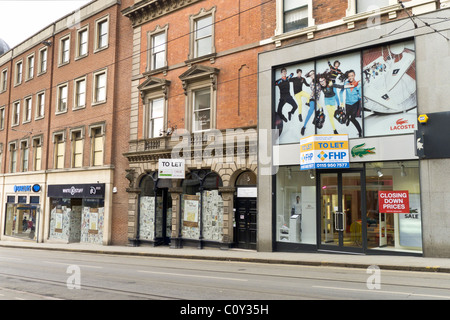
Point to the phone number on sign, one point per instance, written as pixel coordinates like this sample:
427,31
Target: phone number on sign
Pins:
332,165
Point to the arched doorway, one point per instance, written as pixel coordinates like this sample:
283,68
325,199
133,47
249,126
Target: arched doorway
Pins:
245,206
155,210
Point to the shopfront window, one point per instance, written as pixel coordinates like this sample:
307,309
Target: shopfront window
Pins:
394,231
21,218
295,206
202,206
150,211
77,219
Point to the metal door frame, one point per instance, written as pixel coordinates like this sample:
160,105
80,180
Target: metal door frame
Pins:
340,247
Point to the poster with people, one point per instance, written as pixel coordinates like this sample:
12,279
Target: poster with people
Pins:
368,93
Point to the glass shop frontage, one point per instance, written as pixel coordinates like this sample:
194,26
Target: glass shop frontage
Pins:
342,210
23,208
362,106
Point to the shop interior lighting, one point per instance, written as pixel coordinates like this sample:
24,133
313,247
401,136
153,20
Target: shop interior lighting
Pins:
380,174
403,171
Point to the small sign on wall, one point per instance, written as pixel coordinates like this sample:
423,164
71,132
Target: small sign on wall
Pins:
171,169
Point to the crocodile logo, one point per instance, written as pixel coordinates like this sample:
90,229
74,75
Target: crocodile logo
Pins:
358,150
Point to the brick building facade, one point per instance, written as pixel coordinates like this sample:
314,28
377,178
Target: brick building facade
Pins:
62,106
197,62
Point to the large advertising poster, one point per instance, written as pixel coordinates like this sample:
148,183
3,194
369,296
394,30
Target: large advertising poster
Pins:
390,101
368,93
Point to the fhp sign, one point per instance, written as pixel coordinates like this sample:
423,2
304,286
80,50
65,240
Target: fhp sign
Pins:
324,152
171,169
393,201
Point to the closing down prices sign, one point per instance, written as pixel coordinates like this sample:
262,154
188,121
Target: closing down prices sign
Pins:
393,201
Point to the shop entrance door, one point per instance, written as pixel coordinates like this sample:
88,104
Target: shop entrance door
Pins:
245,218
341,204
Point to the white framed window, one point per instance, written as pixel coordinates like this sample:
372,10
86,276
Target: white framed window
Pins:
97,136
24,151
77,138
19,72
16,114
30,67
157,49
4,80
61,105
42,68
155,117
79,93
202,35
295,14
64,50
59,147
37,153
82,42
13,157
201,110
367,5
99,90
40,105
200,83
101,33
27,107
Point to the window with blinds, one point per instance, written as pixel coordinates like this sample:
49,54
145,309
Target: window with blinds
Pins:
77,149
295,14
97,147
59,151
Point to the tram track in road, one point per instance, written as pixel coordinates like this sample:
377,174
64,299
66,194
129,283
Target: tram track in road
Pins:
133,277
129,294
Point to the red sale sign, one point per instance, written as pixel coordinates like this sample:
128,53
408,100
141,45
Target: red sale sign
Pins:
393,201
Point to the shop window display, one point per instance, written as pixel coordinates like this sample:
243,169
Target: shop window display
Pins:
21,220
296,206
393,231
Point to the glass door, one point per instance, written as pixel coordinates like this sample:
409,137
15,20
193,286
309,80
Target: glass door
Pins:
340,211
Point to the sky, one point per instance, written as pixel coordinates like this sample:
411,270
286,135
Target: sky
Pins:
21,19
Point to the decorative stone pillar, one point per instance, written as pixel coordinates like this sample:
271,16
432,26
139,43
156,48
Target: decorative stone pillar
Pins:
133,215
176,241
228,215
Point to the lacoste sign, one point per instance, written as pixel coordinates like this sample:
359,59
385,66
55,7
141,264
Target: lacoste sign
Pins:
360,151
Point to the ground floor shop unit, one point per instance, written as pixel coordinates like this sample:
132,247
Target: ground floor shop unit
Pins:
63,207
198,211
338,210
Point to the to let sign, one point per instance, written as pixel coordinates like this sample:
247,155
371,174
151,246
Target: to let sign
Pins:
324,152
393,201
171,169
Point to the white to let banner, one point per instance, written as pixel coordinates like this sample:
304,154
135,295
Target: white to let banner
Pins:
171,169
324,152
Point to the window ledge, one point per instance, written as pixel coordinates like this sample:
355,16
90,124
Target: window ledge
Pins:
156,71
309,31
211,57
390,10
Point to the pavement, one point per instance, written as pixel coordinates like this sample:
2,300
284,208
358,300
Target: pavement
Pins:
384,262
